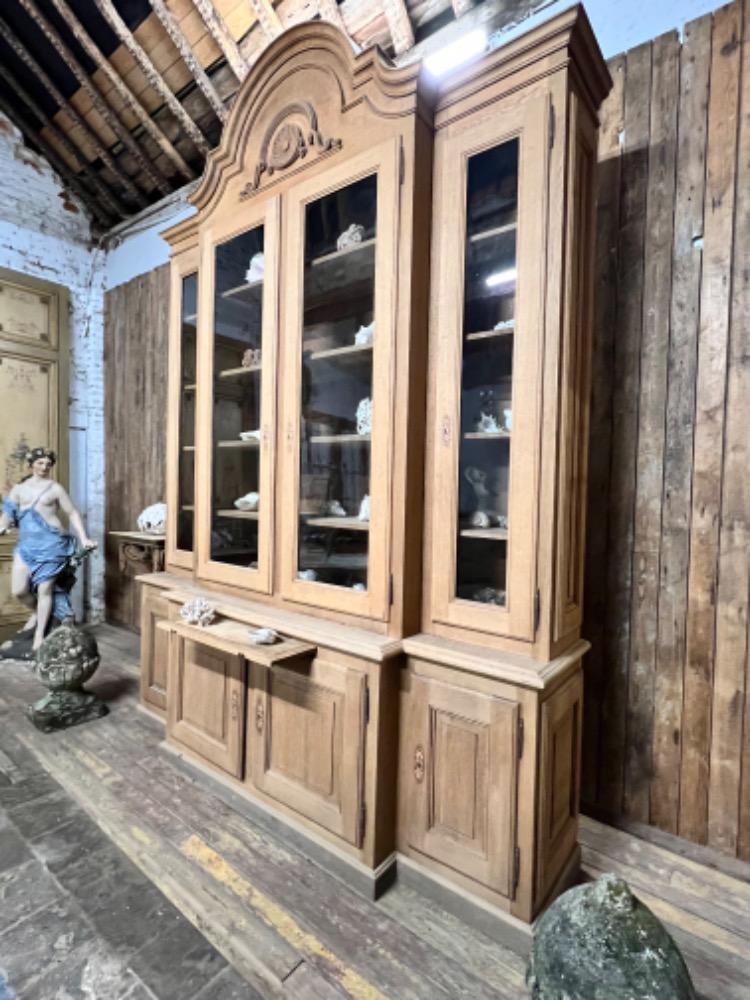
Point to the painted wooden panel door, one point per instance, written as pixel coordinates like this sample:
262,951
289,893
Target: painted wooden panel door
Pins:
486,344
154,649
206,702
339,322
462,800
306,742
34,394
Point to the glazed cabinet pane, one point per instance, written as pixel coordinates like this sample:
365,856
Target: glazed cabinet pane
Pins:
486,341
186,418
337,408
235,461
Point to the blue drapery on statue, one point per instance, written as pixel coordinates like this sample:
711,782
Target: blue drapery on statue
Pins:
47,551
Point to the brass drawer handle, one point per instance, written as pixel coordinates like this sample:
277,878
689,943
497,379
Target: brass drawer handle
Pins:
260,715
419,764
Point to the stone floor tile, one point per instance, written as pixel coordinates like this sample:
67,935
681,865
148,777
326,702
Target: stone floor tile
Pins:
25,889
178,963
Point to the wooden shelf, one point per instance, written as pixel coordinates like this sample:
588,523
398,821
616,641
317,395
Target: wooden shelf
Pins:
487,234
486,435
188,447
191,318
486,334
242,515
253,443
344,274
337,255
342,523
491,534
188,506
340,439
350,352
249,292
190,388
236,372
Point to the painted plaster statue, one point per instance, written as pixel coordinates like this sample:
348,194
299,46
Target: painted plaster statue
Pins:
43,559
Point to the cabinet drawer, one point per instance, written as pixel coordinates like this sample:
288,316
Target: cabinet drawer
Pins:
305,744
154,649
207,702
459,769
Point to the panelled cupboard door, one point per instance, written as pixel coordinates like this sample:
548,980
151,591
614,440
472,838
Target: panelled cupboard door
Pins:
486,344
182,403
462,777
238,308
339,327
154,649
306,739
206,702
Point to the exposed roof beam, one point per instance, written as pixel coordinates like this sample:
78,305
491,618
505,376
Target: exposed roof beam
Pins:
461,6
105,196
93,50
67,175
188,56
329,11
269,20
222,36
399,24
107,9
66,106
51,34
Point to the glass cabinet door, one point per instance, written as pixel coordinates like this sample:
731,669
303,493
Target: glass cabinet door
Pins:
337,407
186,419
488,358
236,446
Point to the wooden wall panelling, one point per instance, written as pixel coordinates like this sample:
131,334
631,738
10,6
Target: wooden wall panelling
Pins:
629,291
729,787
135,404
679,418
651,406
600,427
709,422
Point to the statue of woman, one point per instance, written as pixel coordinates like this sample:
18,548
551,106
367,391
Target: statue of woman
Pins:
41,574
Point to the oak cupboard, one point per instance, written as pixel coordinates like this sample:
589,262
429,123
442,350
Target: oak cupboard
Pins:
379,371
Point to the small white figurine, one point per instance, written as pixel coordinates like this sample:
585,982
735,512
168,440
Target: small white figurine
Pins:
334,509
198,612
256,270
359,587
250,435
502,520
480,519
250,501
364,416
354,234
153,520
307,574
364,508
364,336
486,424
507,419
263,636
504,324
251,357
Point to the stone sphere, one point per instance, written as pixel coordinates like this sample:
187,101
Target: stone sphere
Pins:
67,658
599,942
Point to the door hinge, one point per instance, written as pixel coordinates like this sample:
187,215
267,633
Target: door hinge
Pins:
401,165
367,705
519,739
516,868
362,822
390,590
551,125
537,610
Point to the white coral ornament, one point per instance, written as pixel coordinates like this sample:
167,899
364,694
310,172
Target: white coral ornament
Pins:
364,416
364,508
153,520
264,636
198,612
354,234
364,336
250,501
256,270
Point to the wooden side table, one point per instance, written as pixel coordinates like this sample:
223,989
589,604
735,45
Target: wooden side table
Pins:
140,550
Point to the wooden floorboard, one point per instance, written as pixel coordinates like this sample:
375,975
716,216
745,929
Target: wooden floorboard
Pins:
286,926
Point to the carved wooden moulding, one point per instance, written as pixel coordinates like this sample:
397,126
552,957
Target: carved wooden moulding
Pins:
290,136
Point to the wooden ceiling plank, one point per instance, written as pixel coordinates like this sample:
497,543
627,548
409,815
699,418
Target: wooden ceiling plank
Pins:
399,23
114,207
181,43
268,19
107,9
66,106
329,11
51,34
67,175
217,27
93,50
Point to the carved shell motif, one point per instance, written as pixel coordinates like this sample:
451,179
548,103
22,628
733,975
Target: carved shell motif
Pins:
289,137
